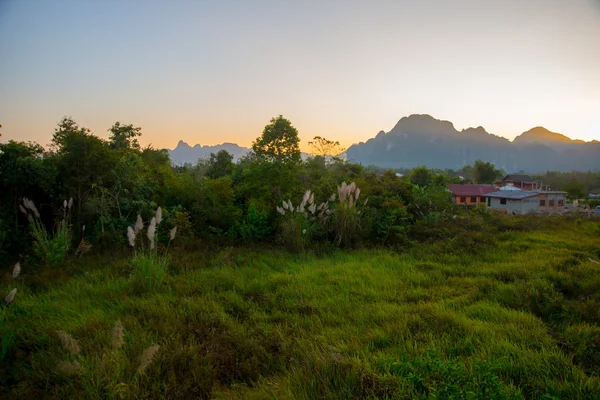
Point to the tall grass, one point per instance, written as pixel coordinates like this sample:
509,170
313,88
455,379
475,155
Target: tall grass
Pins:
149,265
48,247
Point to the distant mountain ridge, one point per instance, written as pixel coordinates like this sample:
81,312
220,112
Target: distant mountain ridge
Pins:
184,153
420,139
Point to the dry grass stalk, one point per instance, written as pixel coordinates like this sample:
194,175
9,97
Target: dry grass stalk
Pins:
16,270
70,202
147,357
11,296
172,233
69,343
118,335
70,368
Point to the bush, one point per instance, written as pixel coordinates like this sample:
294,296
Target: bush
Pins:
51,249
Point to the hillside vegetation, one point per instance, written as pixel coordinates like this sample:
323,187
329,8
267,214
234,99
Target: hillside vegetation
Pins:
514,316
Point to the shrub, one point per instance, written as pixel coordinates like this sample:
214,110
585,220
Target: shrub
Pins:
345,218
52,249
149,268
255,225
298,225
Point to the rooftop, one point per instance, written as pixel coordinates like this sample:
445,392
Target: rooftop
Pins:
470,190
514,195
517,178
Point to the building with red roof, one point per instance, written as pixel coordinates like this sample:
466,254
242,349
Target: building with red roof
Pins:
470,194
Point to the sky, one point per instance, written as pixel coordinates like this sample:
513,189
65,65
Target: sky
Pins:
210,72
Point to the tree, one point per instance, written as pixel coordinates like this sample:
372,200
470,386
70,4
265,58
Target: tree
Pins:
574,189
421,176
279,142
485,172
323,147
124,137
220,164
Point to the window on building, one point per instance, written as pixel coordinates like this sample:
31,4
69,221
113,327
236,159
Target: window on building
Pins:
551,203
473,199
542,203
463,199
489,202
561,203
482,199
502,201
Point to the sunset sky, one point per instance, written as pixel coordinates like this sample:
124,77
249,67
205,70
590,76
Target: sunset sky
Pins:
210,72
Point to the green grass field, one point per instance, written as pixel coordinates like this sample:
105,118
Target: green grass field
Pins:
516,318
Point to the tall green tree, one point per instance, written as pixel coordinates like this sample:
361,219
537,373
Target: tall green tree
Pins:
124,137
220,164
421,176
485,172
575,189
324,147
278,142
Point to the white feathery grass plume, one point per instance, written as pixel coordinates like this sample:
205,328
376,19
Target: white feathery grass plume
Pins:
131,236
70,368
158,215
16,270
306,196
284,205
366,201
68,342
311,199
29,204
70,202
139,224
290,205
352,187
172,233
118,335
280,210
151,232
83,228
357,193
30,218
328,212
312,208
304,231
332,198
8,299
350,201
23,210
65,204
147,357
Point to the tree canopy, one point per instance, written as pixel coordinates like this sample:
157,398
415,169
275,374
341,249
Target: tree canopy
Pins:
278,142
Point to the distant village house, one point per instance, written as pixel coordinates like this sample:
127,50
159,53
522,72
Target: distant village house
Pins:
470,194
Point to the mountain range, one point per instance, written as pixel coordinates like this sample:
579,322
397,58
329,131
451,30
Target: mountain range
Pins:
423,140
420,139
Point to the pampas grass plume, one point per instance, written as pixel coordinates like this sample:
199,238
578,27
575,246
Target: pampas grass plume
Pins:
139,224
131,236
172,233
151,231
70,202
68,342
118,335
10,296
147,357
158,215
16,270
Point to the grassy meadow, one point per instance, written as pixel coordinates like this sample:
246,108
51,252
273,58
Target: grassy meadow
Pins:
514,316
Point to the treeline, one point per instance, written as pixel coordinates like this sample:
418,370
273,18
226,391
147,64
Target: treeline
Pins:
270,196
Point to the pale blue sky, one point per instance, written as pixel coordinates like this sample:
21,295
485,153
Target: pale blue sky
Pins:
209,72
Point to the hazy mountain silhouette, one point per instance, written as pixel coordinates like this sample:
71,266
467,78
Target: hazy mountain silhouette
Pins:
184,153
423,140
